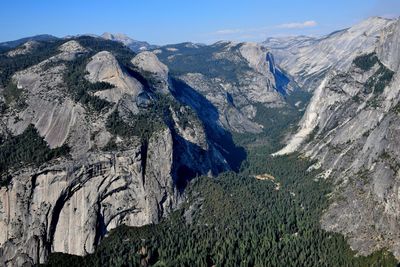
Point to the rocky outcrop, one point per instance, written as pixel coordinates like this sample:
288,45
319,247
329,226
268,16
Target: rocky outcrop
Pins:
156,73
24,49
104,67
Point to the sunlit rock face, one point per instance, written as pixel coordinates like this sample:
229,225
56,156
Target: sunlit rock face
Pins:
309,59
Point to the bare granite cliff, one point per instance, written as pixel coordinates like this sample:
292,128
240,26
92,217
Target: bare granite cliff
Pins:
69,206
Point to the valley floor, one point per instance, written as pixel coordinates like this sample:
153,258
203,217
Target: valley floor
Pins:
237,220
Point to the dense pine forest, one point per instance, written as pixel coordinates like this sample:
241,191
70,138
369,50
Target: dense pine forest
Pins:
26,149
267,214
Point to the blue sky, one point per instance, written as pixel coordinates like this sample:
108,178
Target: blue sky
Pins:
172,21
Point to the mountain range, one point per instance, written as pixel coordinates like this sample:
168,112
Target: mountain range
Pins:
97,132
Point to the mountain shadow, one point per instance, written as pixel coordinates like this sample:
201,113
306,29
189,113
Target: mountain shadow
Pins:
209,115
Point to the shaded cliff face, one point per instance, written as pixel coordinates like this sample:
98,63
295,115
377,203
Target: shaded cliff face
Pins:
351,128
232,77
130,146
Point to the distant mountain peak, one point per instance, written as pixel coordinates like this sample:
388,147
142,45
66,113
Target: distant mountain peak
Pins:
134,45
310,59
121,37
40,37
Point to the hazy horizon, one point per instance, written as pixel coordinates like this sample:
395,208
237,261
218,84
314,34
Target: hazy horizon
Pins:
160,22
